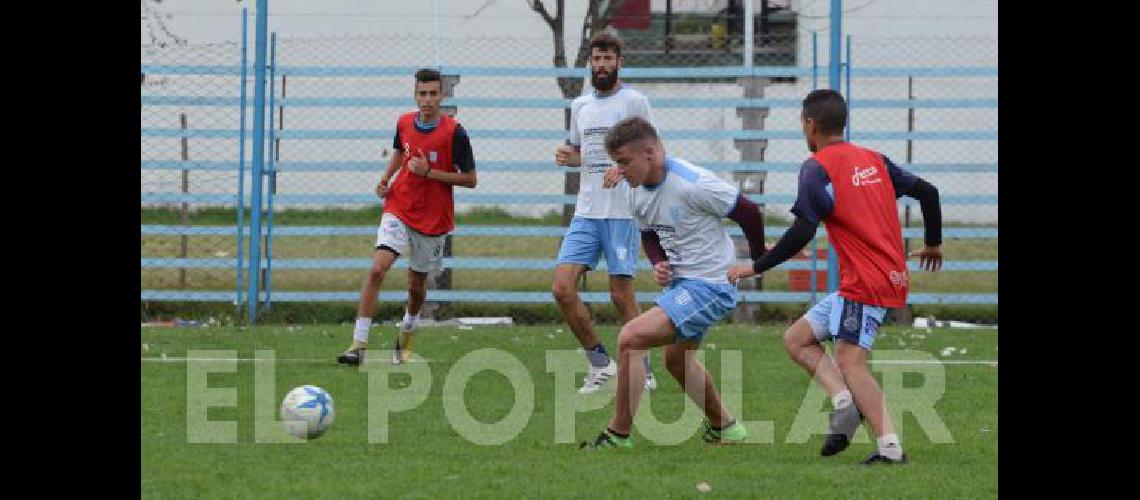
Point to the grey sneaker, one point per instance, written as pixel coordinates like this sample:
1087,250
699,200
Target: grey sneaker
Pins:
841,427
350,357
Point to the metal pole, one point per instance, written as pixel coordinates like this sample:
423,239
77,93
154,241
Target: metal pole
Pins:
271,173
909,149
241,158
847,73
435,32
833,75
814,61
261,25
184,216
815,240
749,33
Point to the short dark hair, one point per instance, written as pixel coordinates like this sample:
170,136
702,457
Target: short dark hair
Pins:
428,75
632,129
828,109
606,41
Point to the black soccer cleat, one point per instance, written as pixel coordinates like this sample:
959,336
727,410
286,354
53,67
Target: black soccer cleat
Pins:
606,440
841,427
350,357
877,458
834,443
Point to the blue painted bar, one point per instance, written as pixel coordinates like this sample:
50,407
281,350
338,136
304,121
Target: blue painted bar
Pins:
510,263
542,297
815,241
484,102
261,27
542,166
272,176
833,67
546,72
552,134
533,231
241,162
497,199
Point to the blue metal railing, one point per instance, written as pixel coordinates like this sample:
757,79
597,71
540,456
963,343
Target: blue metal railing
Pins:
263,168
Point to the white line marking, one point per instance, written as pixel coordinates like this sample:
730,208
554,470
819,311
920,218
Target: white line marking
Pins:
154,359
932,362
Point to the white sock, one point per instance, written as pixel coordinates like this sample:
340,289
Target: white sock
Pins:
841,399
890,447
360,334
410,322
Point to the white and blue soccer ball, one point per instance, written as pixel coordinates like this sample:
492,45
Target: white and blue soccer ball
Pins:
307,411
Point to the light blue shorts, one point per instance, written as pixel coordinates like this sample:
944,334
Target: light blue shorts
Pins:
835,317
694,305
586,240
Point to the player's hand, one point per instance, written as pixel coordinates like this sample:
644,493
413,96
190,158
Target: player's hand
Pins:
929,258
419,164
739,272
567,156
613,177
662,273
382,187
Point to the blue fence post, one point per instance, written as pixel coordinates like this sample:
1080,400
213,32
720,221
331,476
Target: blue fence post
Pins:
258,164
814,85
241,159
272,174
847,74
834,57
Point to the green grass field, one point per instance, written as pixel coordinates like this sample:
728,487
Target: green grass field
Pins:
426,457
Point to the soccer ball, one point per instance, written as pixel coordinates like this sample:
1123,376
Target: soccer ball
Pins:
307,411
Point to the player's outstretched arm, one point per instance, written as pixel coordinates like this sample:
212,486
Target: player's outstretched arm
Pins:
930,257
908,184
794,239
747,215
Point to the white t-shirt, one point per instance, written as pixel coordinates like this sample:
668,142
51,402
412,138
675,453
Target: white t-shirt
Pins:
591,116
686,210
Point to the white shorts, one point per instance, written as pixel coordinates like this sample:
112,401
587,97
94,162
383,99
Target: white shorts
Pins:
425,253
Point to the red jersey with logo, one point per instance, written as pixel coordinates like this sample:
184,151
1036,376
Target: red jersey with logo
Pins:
853,191
425,205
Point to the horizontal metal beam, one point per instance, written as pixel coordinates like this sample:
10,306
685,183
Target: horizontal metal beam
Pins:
534,297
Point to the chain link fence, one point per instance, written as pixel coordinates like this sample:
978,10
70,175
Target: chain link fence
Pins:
334,107
190,122
931,102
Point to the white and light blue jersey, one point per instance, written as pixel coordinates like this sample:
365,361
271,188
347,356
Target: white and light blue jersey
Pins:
685,210
591,116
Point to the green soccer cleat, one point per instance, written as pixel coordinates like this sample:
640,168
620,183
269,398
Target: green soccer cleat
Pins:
606,440
735,433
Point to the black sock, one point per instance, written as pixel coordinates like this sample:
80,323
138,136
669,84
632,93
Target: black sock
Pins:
723,427
616,433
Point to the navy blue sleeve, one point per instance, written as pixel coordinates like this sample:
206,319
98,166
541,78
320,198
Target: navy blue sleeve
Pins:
903,180
396,140
814,199
652,245
461,154
908,184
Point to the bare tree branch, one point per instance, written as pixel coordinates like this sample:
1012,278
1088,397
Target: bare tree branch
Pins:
478,11
540,8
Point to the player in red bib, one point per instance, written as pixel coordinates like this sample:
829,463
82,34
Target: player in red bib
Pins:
432,154
852,190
